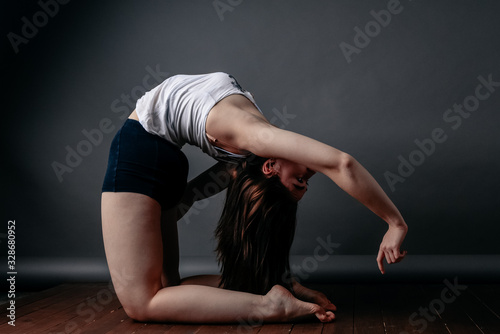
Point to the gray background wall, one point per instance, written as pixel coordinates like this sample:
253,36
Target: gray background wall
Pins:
84,64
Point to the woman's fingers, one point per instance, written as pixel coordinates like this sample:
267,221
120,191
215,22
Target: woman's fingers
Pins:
393,256
390,246
330,307
380,261
313,296
324,316
389,257
401,256
288,308
323,301
326,304
320,312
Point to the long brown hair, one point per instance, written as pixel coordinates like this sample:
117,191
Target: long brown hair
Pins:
255,231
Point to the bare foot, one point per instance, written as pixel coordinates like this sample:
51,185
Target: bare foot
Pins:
313,296
282,306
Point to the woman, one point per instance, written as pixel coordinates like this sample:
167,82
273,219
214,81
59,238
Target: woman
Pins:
145,184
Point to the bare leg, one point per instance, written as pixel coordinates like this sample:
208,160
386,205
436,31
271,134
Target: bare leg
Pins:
134,249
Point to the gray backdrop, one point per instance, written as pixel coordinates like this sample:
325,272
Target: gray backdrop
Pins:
381,80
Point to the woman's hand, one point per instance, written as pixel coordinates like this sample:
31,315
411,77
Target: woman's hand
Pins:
390,246
313,296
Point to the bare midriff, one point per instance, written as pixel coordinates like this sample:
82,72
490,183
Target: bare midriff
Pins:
133,115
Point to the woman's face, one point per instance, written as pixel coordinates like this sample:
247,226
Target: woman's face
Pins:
292,175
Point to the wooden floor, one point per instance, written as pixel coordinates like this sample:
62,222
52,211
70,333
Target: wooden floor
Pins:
384,309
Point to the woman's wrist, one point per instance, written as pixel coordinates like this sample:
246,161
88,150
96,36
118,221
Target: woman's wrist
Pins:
397,222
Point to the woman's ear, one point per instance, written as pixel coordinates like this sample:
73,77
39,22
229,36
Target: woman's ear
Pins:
268,167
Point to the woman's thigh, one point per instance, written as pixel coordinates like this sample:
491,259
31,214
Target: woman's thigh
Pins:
131,226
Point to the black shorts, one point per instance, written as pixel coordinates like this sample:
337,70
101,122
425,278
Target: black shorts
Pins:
143,163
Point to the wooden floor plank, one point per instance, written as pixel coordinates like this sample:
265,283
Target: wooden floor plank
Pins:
486,320
119,322
35,296
361,309
50,311
94,314
442,304
275,329
126,325
309,328
342,296
400,304
225,329
106,323
31,303
184,329
153,328
489,295
367,310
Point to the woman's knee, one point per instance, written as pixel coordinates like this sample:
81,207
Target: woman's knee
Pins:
136,300
138,309
137,313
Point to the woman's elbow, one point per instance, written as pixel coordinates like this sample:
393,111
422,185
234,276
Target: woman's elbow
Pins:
341,163
347,161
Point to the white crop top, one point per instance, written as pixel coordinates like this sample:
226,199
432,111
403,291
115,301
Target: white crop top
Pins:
177,109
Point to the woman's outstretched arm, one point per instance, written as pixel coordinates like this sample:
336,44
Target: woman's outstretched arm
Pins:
266,140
